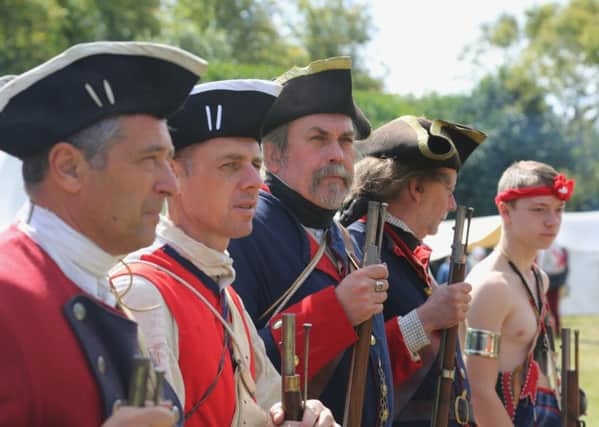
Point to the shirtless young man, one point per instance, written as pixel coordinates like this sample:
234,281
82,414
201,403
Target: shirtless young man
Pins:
508,302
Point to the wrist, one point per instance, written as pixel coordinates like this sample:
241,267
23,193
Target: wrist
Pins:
425,319
412,330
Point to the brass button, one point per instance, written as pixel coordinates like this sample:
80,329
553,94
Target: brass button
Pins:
385,415
277,324
384,389
372,340
296,360
79,311
101,363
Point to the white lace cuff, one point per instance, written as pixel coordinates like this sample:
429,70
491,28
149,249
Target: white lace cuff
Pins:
413,333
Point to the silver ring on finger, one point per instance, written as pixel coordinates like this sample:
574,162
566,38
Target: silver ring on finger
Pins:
379,286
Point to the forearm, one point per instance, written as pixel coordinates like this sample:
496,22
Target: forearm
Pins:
403,347
488,409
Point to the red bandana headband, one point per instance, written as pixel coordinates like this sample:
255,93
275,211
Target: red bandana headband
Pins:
562,189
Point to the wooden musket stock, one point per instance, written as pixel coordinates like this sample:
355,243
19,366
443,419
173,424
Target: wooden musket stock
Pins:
447,349
354,400
570,390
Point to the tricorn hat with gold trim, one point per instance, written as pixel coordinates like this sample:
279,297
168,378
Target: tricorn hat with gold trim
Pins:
422,142
324,86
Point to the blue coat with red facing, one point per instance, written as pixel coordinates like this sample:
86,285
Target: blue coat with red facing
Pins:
409,287
267,262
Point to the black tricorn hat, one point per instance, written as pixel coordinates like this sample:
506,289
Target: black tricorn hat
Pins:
323,86
226,108
422,142
90,82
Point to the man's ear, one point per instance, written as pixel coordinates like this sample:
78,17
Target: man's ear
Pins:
504,211
415,189
273,157
67,166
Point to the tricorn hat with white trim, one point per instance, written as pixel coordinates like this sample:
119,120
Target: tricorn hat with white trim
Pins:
422,142
323,86
90,82
226,108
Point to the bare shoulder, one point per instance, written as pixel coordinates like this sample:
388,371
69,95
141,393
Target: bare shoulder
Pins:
491,295
488,276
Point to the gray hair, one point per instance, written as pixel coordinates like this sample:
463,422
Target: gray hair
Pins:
94,141
279,138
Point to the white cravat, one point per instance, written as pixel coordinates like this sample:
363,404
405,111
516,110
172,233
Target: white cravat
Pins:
216,264
80,259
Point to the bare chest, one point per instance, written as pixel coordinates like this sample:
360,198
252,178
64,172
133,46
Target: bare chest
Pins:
521,324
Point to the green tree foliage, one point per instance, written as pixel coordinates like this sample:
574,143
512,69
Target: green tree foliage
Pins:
237,31
542,103
25,24
337,27
518,126
32,31
557,48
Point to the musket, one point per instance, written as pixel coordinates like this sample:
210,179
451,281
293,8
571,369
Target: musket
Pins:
570,399
447,347
139,392
291,397
139,380
354,399
552,370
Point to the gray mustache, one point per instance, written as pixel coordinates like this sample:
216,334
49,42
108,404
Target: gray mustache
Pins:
332,170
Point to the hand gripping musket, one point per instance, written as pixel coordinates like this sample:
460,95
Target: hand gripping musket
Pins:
570,399
354,399
447,348
291,397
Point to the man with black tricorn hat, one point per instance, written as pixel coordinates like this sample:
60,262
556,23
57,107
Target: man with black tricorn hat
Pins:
412,164
89,126
195,324
296,259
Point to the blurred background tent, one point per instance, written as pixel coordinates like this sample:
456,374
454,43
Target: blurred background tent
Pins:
579,234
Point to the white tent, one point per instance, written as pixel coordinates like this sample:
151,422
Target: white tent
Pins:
579,233
12,192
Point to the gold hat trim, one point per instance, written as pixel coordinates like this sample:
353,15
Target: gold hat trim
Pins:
475,135
422,136
318,66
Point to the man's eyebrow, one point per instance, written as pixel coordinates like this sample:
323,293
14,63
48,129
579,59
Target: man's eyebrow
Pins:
349,132
545,204
237,156
158,148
